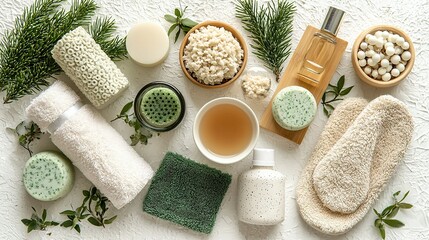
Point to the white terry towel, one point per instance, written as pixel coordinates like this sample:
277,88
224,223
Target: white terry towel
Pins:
94,147
355,157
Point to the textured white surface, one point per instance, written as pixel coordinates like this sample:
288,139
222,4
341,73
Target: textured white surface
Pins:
132,223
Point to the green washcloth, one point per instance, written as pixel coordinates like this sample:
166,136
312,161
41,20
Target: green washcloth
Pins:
187,193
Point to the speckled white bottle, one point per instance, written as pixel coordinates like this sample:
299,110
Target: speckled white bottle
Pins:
261,191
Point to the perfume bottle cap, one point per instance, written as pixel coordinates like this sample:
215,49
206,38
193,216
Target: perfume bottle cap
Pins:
263,157
333,20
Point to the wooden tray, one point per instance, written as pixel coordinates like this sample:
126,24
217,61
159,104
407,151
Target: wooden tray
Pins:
290,78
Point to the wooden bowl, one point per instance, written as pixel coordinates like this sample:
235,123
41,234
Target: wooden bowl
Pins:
380,83
234,32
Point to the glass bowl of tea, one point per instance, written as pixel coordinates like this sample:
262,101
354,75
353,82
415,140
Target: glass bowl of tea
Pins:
225,130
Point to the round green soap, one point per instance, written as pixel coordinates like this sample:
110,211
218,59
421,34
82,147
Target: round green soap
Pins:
160,107
294,108
48,176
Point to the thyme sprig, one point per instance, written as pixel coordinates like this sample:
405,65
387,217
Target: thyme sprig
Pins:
179,21
270,28
141,134
335,92
386,216
27,132
38,223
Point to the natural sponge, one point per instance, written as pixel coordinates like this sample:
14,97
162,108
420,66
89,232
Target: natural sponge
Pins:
186,193
83,60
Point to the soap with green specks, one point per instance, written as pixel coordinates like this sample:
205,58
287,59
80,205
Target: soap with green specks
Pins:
48,176
294,108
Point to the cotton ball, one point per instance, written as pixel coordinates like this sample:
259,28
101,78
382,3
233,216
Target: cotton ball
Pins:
367,70
390,51
374,73
406,56
400,41
382,71
395,72
405,46
363,45
384,63
376,58
361,55
400,67
369,53
362,62
395,59
372,40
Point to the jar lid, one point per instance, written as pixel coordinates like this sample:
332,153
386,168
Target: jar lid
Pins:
263,157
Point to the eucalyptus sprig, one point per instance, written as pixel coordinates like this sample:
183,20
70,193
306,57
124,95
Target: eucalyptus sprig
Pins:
38,223
270,28
93,208
141,134
27,133
385,217
180,22
335,92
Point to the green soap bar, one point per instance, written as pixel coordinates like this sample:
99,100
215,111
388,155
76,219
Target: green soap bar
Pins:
48,176
160,107
294,108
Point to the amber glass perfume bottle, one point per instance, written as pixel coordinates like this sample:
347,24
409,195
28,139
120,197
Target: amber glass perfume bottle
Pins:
321,49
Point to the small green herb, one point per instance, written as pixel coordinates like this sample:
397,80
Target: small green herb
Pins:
178,20
27,133
93,208
141,134
36,222
336,91
385,217
270,28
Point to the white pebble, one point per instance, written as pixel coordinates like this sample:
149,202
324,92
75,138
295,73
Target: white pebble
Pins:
370,62
374,73
389,68
378,34
362,62
379,43
394,38
361,54
395,59
405,45
398,50
367,37
363,45
367,70
370,47
372,40
382,71
385,34
388,44
389,38
400,67
390,51
386,77
405,56
400,41
384,63
382,56
395,72
376,58
369,53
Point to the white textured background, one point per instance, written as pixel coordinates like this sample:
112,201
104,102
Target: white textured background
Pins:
132,223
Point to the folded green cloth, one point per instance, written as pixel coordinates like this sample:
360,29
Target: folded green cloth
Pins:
187,193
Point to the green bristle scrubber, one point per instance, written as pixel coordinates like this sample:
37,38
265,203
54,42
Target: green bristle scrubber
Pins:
187,193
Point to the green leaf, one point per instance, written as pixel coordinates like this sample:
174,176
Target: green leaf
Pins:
44,215
325,111
376,213
77,228
393,223
406,194
177,36
126,108
32,226
171,29
68,212
323,97
94,222
52,223
393,212
86,192
67,223
93,190
346,91
26,222
177,12
110,220
405,205
382,232
188,22
170,19
396,193
340,83
377,223
387,210
329,106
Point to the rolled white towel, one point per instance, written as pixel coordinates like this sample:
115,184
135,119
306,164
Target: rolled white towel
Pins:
94,147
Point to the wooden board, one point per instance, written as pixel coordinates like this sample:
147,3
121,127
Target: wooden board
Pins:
290,78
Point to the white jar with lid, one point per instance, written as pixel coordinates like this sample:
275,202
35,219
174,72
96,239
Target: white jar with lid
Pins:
261,191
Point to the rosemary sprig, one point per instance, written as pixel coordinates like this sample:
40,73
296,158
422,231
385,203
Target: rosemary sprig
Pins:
385,217
26,62
270,28
141,134
37,223
178,20
336,91
27,133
